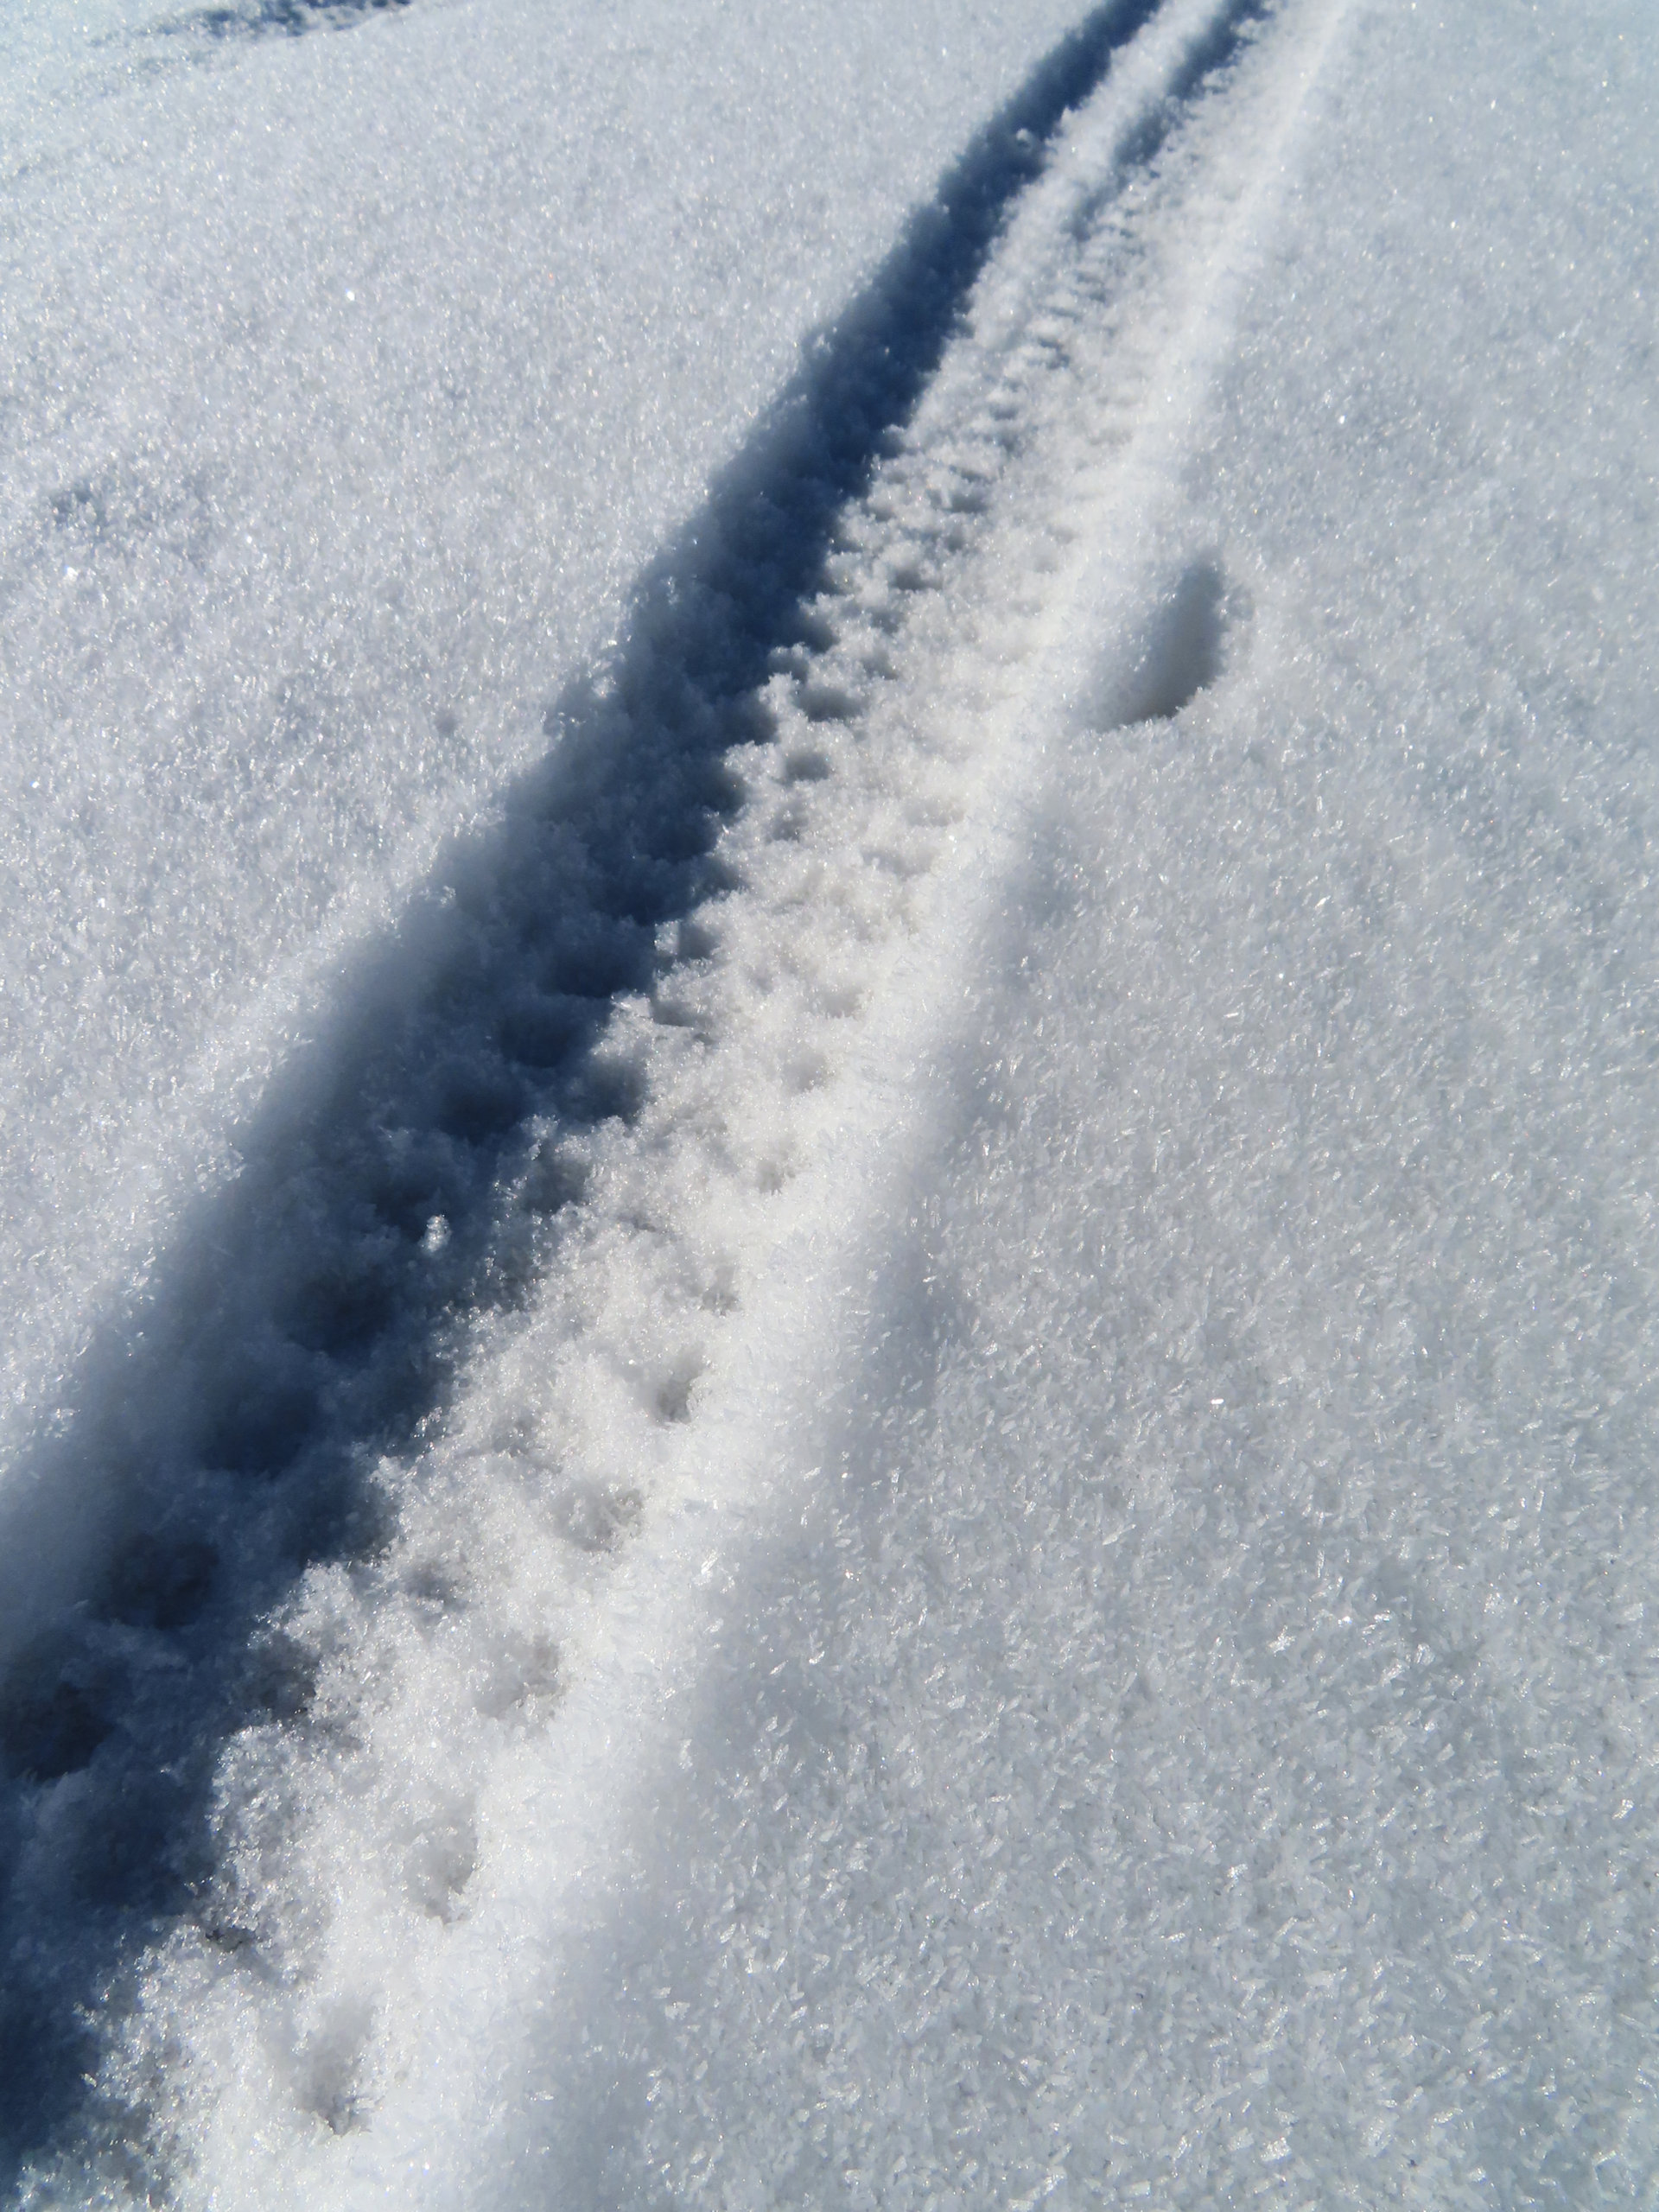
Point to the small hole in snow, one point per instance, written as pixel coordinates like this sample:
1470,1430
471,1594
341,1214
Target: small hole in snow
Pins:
610,1088
478,1104
828,702
595,1517
442,1861
282,1675
805,767
523,1682
51,1711
674,1394
329,2064
1182,655
696,940
557,1178
808,1072
161,1586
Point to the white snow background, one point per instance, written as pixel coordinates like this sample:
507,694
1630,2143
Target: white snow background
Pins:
828,1148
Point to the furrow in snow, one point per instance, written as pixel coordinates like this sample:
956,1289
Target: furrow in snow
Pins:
511,1345
415,1168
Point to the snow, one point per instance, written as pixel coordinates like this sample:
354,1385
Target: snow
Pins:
865,1418
351,380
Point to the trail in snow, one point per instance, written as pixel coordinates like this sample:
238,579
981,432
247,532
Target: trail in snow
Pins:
352,381
428,1165
1198,1750
1200,1753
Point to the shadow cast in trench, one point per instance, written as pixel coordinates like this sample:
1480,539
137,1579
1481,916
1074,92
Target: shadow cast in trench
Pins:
409,1168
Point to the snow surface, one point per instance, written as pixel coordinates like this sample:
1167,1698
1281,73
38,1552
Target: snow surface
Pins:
891,1450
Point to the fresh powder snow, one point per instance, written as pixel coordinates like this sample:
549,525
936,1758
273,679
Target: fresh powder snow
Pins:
827,1154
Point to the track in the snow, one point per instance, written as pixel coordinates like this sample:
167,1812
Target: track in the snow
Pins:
282,18
305,1322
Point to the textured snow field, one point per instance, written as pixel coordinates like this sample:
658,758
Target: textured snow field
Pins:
893,1449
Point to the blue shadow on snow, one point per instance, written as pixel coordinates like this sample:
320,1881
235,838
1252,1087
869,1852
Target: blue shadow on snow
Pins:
304,1322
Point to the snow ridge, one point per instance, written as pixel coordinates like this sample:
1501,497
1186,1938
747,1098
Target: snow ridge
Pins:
488,1115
